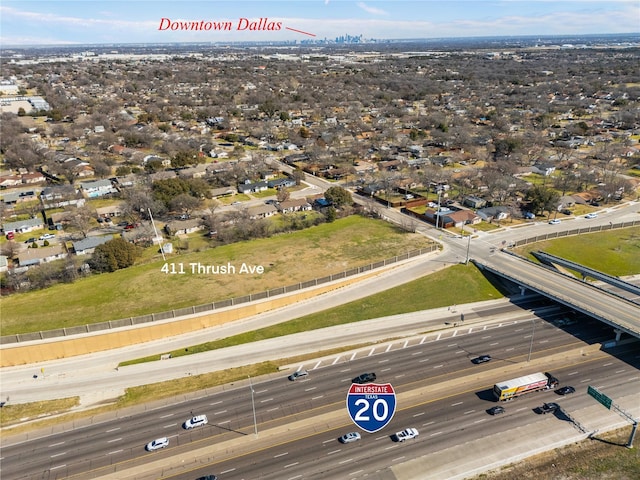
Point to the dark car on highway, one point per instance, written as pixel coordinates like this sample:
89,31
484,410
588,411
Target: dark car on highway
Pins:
365,378
481,359
547,408
497,410
565,390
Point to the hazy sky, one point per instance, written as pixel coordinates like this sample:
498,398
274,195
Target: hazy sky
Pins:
25,22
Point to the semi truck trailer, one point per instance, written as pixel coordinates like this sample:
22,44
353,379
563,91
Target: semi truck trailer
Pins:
534,382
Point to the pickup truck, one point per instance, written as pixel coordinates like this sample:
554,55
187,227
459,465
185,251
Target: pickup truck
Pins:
548,408
406,434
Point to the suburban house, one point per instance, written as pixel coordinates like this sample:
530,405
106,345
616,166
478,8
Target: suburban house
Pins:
474,202
249,187
86,246
461,218
262,211
97,188
489,214
110,211
543,169
60,196
183,227
23,226
294,205
281,182
222,191
35,256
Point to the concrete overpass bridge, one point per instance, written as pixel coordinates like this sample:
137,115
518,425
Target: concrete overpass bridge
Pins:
613,309
553,260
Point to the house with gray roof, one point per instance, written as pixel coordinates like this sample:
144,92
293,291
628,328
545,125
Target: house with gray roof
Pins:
22,226
87,246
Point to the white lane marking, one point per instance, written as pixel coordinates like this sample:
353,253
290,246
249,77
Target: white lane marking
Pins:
58,455
281,455
118,428
167,415
58,466
56,444
292,464
337,359
170,425
228,471
220,412
309,389
266,400
455,404
114,452
114,440
216,403
332,452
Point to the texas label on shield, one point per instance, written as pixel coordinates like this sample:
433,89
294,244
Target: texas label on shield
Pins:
371,406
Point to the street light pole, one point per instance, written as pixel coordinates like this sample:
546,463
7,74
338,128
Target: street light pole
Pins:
438,212
466,262
253,407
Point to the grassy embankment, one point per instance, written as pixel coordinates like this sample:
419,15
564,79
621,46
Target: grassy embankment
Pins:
144,289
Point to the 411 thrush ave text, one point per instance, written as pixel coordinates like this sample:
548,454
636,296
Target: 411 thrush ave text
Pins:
197,268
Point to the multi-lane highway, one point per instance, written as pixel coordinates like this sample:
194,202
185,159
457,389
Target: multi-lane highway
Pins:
408,364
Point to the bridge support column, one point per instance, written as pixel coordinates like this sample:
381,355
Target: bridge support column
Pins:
523,290
618,334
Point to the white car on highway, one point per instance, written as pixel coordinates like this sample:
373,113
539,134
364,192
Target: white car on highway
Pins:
406,434
157,444
350,437
197,421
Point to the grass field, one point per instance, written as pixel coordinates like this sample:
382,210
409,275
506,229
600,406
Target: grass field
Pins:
287,259
466,281
614,252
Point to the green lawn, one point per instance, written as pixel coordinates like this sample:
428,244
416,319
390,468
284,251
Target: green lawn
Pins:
458,284
614,252
287,259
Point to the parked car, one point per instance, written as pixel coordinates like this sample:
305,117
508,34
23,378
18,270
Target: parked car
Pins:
157,444
365,378
547,408
31,240
350,437
47,236
497,410
406,434
565,390
529,215
197,421
555,221
208,477
565,211
481,359
299,374
591,215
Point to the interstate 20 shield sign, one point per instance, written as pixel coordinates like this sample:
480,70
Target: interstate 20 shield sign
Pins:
371,406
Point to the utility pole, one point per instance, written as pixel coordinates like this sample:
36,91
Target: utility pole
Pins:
253,407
